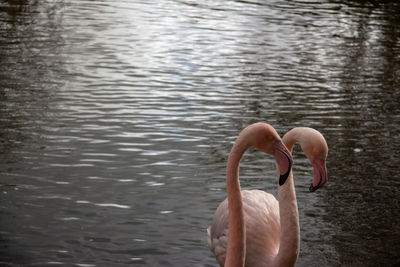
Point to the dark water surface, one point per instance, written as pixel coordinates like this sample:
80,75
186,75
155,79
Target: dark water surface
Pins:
116,119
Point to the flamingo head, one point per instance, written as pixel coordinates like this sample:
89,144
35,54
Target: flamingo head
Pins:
267,140
315,147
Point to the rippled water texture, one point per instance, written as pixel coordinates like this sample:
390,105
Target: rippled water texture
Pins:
117,118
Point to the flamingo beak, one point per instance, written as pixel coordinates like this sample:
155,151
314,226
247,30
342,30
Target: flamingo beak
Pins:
320,174
283,159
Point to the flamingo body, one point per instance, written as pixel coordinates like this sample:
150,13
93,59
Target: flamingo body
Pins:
261,211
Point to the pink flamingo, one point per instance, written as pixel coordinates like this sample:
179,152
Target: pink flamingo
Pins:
262,230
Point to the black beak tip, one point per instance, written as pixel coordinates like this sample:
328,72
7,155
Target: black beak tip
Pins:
313,189
283,177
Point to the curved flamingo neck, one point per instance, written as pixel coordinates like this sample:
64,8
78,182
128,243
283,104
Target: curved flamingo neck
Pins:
236,250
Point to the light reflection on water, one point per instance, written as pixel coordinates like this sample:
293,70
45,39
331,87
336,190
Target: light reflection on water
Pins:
117,119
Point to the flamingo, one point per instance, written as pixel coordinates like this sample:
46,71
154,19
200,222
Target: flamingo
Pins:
263,231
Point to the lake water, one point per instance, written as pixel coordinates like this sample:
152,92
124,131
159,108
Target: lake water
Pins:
117,117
